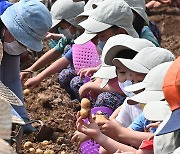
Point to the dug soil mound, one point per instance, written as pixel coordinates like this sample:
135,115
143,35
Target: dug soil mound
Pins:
51,104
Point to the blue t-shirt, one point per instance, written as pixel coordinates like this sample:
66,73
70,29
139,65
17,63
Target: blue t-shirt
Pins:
68,55
140,123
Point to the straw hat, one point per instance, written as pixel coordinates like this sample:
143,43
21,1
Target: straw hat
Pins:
5,148
9,96
5,119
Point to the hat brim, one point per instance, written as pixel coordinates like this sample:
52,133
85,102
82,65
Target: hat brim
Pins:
172,124
106,72
9,96
135,87
113,51
83,16
55,22
17,120
156,110
84,38
145,97
18,32
131,64
94,26
5,4
104,83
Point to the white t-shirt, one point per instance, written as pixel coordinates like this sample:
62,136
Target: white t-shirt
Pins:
128,113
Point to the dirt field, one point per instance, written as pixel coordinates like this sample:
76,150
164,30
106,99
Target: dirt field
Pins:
51,104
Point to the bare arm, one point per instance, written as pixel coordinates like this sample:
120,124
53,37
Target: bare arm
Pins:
56,67
115,113
113,129
44,60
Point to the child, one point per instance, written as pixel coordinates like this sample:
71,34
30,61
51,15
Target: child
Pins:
167,137
16,38
63,19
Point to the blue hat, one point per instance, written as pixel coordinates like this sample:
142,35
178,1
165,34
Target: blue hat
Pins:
28,21
4,4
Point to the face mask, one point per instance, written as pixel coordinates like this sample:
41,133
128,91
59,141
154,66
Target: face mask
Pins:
100,46
13,48
122,85
66,32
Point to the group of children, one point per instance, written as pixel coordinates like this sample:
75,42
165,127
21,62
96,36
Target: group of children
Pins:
131,86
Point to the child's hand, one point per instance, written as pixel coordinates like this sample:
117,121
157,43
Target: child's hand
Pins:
84,90
24,74
32,82
91,129
49,36
110,128
86,72
154,125
79,138
53,36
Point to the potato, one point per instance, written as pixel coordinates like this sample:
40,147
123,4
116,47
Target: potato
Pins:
100,118
84,113
26,91
28,145
32,150
85,103
49,152
39,151
45,142
85,108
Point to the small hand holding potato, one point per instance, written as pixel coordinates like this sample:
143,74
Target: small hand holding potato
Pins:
85,108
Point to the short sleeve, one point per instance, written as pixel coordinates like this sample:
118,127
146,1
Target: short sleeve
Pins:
68,55
138,123
147,144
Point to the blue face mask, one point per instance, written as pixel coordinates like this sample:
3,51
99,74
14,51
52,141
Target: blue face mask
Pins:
100,46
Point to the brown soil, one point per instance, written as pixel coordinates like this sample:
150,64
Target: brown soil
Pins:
51,104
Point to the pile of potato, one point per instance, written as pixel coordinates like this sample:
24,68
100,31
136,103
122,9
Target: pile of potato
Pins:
29,147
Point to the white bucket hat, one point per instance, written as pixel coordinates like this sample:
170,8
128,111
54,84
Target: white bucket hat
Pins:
153,85
67,10
146,59
107,14
156,110
28,21
139,7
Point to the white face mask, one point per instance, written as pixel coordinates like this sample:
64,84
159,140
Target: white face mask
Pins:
100,46
125,84
66,32
13,48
